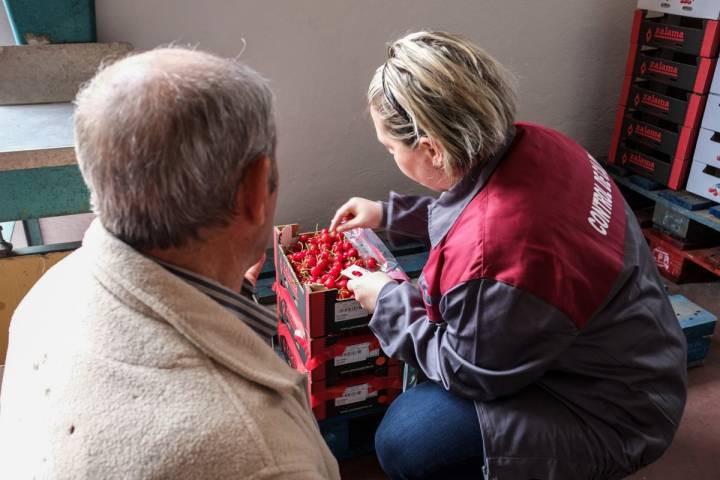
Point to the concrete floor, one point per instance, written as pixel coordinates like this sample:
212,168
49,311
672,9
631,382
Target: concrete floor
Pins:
695,452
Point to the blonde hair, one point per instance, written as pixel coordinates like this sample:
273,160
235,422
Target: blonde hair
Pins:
441,86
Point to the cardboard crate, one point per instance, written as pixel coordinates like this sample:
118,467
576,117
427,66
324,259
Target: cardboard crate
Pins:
711,117
707,148
704,181
689,35
658,166
666,137
351,394
663,101
715,84
320,310
355,394
332,358
709,9
680,70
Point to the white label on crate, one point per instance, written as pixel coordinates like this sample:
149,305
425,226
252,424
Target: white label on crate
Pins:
348,310
354,353
355,394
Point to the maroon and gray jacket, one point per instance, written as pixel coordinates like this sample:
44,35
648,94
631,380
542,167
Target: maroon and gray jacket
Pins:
541,301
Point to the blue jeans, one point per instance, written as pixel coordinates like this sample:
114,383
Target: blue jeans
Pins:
428,433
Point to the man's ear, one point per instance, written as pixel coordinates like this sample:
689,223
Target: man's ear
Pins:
252,199
432,150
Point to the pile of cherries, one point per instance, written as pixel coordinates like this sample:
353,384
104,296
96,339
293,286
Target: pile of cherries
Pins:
320,257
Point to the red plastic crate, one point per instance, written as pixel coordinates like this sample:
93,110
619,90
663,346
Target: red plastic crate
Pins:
321,312
668,258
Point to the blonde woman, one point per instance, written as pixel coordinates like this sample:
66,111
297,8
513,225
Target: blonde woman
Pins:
540,320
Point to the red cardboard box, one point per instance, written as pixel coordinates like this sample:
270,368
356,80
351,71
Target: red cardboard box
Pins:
663,136
695,36
355,394
352,394
651,148
321,312
663,101
709,9
652,164
334,357
678,69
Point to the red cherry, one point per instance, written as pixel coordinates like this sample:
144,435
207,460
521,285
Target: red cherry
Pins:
310,261
359,262
303,238
342,283
352,252
329,283
372,263
316,271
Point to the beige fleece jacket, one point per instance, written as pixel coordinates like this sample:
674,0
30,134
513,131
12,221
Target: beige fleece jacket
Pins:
118,369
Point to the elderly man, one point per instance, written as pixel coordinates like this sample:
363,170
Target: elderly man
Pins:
135,357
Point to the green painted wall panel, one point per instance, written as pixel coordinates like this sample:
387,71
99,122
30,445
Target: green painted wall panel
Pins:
42,192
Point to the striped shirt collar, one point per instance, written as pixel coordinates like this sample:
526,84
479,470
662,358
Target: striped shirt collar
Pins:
260,319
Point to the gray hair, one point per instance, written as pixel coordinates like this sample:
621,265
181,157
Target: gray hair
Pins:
441,86
164,138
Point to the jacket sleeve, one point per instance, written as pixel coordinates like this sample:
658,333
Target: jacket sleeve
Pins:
494,339
406,218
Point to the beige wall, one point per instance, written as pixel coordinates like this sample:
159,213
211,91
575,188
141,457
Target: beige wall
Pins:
568,55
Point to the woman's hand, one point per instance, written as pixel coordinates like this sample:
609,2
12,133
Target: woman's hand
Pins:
367,288
357,213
